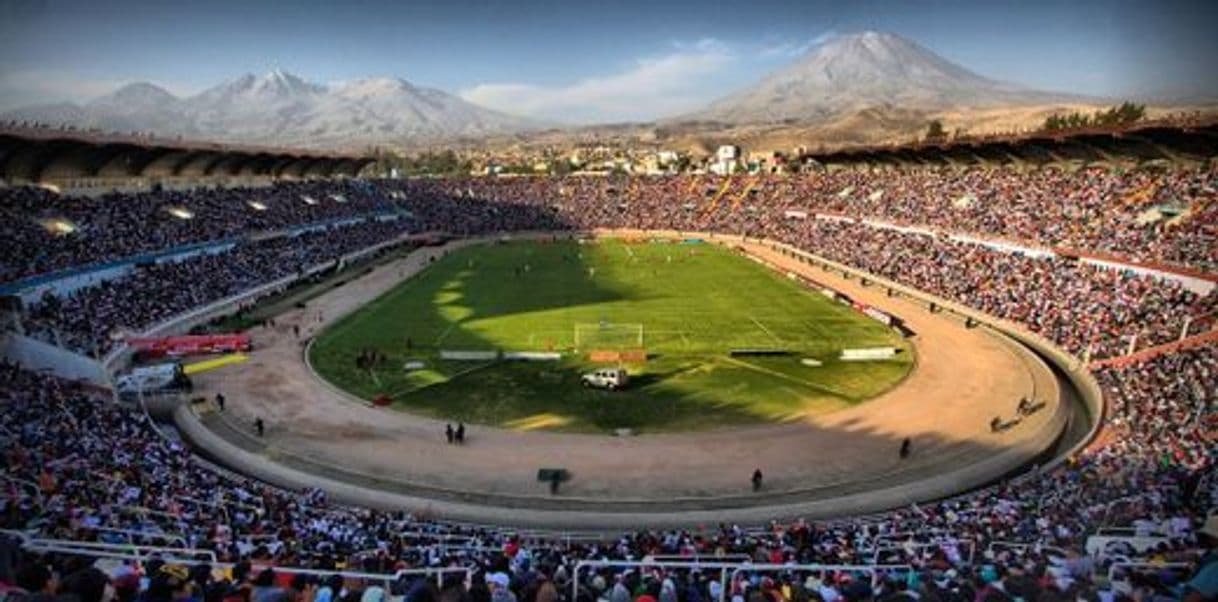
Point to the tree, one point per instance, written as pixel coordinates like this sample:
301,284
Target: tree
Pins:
935,131
1123,114
560,167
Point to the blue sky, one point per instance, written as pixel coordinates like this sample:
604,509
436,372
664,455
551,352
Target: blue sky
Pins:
588,61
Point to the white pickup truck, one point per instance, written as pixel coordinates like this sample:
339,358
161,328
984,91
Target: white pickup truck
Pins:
606,378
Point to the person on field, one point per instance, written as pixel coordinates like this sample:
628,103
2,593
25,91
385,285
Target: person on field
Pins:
460,433
757,478
448,433
259,426
220,401
905,448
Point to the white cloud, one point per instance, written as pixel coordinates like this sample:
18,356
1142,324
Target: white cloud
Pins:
784,50
656,86
825,36
789,49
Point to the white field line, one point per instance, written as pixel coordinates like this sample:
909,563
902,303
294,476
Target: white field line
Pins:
444,335
767,330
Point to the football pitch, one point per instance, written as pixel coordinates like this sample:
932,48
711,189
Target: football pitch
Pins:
687,304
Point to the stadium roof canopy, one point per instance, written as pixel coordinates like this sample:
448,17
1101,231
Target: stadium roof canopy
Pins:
45,154
1146,141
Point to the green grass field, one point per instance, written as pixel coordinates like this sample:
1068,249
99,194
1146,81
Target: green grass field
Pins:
694,302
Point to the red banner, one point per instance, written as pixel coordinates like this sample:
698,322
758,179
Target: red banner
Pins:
190,344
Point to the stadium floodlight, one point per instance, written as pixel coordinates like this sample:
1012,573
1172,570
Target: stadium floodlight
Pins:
180,212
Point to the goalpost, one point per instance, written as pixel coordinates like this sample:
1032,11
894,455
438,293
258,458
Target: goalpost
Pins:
608,335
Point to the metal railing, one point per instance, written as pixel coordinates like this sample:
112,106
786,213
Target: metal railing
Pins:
722,567
697,556
140,553
940,544
117,551
998,545
131,534
874,570
1112,569
736,568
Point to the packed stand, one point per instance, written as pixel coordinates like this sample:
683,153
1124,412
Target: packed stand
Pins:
89,319
1158,214
1090,310
1161,214
1084,308
121,225
80,467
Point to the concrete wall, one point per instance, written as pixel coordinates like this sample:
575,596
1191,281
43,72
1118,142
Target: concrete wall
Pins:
40,356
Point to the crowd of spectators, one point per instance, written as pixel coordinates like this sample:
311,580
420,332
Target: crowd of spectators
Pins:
79,467
1164,214
1088,309
90,319
1082,307
1126,213
120,225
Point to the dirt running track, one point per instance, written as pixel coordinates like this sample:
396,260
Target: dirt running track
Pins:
963,377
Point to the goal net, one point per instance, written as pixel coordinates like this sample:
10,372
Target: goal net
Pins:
608,335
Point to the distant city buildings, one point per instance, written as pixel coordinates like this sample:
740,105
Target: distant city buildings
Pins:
606,159
726,160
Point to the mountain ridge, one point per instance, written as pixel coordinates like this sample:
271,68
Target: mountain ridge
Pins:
859,71
880,83
282,108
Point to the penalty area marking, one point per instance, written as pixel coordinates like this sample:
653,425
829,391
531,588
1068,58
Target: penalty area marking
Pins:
788,377
446,378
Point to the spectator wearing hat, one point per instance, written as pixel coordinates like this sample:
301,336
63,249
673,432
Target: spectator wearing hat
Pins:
500,586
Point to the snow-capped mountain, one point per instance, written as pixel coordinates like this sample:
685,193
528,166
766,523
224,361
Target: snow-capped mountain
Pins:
860,71
280,108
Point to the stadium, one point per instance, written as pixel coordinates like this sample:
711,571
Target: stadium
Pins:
982,367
